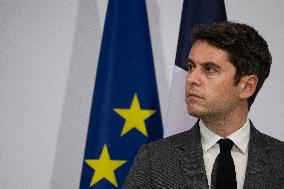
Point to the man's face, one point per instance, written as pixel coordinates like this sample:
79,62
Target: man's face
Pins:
210,89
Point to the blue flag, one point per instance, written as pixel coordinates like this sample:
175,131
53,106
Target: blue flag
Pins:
125,110
194,12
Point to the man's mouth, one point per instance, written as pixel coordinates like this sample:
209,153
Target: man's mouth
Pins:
193,95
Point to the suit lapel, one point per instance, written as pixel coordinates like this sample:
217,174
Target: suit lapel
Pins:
257,170
191,159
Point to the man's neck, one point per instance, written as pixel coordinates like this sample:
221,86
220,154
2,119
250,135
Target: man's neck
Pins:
225,125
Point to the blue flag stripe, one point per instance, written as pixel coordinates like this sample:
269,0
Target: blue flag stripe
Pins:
196,12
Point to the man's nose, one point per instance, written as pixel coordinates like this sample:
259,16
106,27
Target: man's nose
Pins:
193,77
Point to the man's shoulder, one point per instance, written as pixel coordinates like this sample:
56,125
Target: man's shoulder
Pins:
270,143
273,155
159,164
171,140
185,138
274,143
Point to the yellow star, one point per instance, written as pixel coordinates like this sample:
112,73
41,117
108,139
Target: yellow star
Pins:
134,117
104,167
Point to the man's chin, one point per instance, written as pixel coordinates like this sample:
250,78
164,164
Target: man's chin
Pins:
195,114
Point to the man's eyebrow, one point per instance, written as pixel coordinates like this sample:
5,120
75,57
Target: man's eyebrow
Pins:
190,60
213,64
210,63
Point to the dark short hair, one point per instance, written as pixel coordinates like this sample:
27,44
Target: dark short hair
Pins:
246,49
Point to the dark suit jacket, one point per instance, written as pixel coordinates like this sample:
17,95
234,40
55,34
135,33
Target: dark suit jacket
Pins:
177,162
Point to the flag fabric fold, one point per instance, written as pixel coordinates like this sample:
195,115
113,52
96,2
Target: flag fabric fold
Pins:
194,12
125,109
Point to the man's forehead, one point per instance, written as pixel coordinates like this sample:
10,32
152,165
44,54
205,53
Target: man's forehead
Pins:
202,52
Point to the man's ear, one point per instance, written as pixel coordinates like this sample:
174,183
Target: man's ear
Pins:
247,86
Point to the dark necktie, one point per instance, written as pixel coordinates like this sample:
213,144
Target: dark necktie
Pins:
225,173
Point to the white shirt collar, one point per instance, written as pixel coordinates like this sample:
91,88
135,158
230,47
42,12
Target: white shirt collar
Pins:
240,137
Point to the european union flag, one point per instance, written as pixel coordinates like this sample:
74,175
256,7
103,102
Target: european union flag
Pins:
125,110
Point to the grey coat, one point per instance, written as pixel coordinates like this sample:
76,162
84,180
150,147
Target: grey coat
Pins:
177,162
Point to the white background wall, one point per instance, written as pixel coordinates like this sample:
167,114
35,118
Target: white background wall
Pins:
48,56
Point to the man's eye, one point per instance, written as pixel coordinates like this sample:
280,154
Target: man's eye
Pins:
210,69
189,67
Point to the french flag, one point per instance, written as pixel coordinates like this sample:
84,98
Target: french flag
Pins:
194,12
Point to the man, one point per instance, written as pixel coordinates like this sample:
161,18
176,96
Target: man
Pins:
227,66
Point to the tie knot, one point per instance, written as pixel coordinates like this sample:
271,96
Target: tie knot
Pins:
225,144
